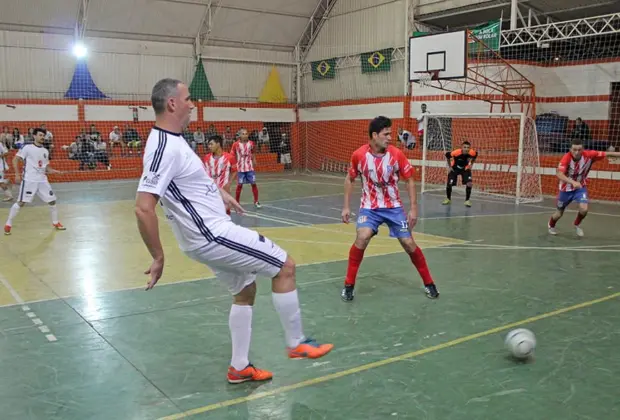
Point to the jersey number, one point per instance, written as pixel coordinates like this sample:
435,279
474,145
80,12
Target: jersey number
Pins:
405,224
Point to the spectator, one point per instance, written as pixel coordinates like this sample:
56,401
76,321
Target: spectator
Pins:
86,153
6,137
132,139
285,152
94,134
29,139
581,131
189,138
199,140
211,131
101,153
263,139
406,138
18,139
48,140
229,137
116,138
73,149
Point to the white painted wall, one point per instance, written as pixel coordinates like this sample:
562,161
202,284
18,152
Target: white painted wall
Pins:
41,66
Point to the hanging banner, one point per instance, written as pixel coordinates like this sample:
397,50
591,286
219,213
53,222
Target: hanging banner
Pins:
488,33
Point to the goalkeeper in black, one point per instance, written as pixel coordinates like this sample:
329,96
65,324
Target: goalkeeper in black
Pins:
460,162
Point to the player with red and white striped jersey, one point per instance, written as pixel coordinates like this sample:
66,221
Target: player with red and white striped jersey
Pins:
243,152
573,173
381,166
218,164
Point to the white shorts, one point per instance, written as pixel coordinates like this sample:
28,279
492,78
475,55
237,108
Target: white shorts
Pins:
285,158
28,189
238,255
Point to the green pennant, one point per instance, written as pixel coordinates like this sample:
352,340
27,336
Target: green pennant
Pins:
377,61
324,69
200,88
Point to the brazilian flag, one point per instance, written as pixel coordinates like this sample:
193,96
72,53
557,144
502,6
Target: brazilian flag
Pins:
324,69
377,61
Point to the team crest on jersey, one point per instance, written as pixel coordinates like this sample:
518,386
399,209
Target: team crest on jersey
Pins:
151,181
389,169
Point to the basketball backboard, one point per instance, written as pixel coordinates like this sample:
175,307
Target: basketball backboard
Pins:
443,52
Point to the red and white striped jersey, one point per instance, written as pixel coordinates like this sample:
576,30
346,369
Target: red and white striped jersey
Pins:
380,175
243,153
578,170
218,168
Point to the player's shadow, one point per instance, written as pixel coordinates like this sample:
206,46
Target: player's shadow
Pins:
528,361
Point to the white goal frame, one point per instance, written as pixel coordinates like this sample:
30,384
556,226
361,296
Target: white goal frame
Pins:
520,168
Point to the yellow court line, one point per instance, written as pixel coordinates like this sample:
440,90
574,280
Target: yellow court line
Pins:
384,362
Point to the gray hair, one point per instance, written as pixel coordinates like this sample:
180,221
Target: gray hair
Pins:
162,91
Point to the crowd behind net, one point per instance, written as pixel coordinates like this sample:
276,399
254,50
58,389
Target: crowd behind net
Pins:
520,104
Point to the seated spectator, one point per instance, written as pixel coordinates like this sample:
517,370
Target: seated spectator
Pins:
48,140
581,131
6,137
86,153
212,131
73,149
101,153
94,134
132,139
229,137
199,141
116,138
29,138
18,139
189,138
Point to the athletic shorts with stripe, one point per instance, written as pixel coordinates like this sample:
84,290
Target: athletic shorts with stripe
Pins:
28,189
238,255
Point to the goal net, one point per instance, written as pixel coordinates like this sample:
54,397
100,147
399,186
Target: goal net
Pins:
508,159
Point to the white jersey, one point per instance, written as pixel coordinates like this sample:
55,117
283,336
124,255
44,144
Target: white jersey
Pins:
36,159
191,200
3,165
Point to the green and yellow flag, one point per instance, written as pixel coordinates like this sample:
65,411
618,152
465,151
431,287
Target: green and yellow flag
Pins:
324,69
377,61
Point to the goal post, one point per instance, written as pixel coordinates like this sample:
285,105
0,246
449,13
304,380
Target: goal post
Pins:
508,162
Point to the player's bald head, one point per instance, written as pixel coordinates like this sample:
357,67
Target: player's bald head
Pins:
162,91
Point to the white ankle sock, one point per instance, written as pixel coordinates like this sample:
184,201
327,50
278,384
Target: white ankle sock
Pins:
54,214
287,305
240,323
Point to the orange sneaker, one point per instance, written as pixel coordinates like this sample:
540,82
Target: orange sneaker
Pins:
59,226
7,229
250,373
309,349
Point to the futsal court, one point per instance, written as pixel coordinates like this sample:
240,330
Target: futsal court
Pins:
82,339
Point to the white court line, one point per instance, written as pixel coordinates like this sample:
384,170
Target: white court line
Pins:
25,308
303,213
528,248
538,206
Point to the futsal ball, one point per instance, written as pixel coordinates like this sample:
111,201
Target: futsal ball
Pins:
521,343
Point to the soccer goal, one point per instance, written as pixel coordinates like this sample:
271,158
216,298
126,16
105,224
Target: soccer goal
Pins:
508,159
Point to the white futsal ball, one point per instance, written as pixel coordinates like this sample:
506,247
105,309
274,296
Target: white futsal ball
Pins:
521,343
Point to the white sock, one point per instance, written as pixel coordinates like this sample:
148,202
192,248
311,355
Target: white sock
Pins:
14,210
240,323
54,213
287,305
8,193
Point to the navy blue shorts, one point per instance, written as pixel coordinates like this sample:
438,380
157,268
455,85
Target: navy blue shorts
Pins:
246,177
567,197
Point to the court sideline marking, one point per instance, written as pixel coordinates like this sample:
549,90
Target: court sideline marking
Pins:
384,362
26,309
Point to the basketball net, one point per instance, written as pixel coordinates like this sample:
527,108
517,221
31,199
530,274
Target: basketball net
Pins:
427,77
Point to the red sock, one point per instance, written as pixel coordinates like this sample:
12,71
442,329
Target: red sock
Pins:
579,218
255,192
552,222
228,212
356,256
238,192
418,260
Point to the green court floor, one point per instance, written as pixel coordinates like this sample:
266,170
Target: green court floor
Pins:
81,339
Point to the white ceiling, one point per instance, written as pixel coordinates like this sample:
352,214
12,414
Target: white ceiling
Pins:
257,24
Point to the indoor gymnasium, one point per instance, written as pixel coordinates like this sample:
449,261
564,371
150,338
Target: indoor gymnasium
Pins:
506,114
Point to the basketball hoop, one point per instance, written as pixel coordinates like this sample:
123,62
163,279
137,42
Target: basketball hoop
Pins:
426,77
